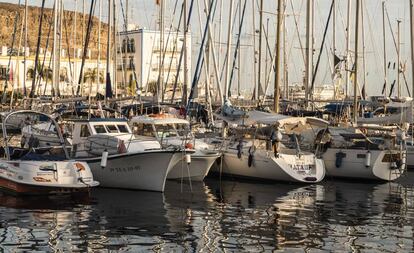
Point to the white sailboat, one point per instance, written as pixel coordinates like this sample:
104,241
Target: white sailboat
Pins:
267,157
352,153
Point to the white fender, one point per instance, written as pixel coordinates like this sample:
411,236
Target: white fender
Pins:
104,159
368,159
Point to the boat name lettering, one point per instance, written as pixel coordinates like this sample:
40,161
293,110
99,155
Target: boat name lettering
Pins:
126,169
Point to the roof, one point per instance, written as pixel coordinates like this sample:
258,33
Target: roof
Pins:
159,120
100,120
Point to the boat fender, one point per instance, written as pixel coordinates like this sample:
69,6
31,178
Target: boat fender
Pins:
368,159
104,159
240,149
250,159
339,157
121,147
188,158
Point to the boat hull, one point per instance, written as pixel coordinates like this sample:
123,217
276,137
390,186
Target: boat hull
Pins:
353,165
45,177
266,166
198,169
16,188
136,171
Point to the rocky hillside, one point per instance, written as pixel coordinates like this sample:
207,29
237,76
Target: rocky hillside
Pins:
8,14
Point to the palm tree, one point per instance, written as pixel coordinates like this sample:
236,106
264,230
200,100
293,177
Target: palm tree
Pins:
93,76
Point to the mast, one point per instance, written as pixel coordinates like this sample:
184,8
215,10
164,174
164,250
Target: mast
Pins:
55,49
348,47
227,84
26,9
308,70
239,58
185,54
278,53
364,91
108,88
259,71
161,51
356,63
385,49
285,58
115,48
98,62
254,53
412,44
398,58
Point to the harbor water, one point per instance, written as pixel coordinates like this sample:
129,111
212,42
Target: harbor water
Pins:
217,215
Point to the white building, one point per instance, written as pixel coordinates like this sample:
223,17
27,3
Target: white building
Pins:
69,73
139,50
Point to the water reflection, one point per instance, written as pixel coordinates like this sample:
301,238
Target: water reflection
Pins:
216,216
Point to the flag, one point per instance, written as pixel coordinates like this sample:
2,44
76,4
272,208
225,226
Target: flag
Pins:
108,87
337,61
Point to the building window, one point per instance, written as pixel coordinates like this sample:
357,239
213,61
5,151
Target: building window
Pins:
131,63
131,46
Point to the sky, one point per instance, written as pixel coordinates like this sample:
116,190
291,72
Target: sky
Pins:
145,14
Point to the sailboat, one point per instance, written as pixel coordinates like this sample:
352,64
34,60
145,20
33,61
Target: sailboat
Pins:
271,150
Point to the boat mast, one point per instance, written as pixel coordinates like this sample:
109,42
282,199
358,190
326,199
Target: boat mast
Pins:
185,54
276,91
348,47
398,58
356,63
308,71
259,71
108,88
26,9
334,45
254,51
54,53
227,84
385,49
412,43
115,48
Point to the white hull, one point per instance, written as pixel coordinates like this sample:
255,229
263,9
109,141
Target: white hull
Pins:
353,165
137,171
198,169
267,166
45,177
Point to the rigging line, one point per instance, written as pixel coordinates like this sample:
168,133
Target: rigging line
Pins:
236,51
127,45
173,52
395,46
231,31
182,52
65,20
321,50
39,37
297,30
199,64
11,52
374,45
41,71
86,46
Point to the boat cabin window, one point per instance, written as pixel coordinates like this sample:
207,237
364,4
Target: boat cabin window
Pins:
166,130
84,131
143,130
112,129
182,129
123,128
100,129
